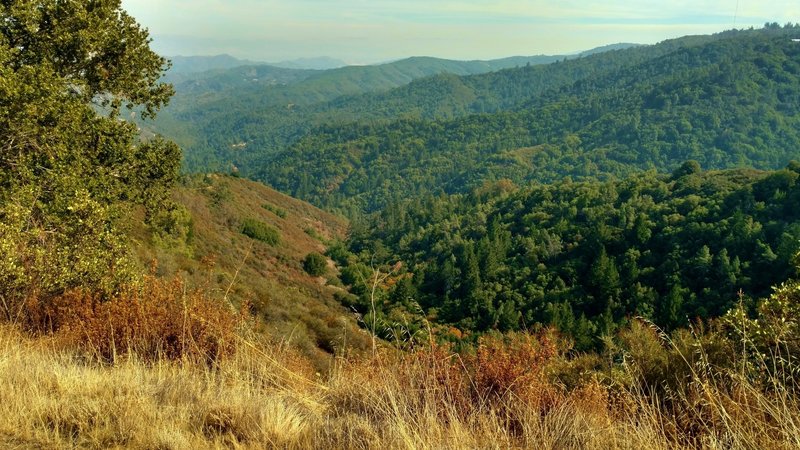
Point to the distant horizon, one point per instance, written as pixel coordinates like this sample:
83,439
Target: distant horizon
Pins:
216,55
420,55
360,32
321,57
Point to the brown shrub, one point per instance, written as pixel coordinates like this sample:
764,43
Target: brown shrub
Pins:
512,367
159,319
439,372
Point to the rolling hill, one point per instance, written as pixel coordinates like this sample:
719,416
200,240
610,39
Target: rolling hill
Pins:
267,107
730,100
269,122
212,252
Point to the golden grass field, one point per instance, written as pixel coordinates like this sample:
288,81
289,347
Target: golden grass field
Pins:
267,396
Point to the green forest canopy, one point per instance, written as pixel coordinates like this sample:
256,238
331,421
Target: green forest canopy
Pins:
583,256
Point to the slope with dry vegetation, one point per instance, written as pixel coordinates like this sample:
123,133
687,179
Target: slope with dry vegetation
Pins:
517,391
235,338
209,249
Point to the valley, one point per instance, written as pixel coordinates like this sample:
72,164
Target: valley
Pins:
597,249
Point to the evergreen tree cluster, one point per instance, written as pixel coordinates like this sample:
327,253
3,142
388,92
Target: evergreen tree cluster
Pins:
586,256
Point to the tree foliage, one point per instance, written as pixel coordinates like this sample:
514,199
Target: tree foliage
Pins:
69,173
587,256
94,47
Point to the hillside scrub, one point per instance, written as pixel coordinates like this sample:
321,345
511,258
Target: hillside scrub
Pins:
260,231
522,391
315,264
160,319
269,281
708,387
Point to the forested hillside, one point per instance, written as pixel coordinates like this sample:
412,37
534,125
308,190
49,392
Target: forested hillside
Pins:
247,125
727,101
584,257
266,108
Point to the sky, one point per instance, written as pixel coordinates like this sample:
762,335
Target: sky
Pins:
370,31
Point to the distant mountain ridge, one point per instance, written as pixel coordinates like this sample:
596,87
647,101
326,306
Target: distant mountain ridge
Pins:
202,63
728,100
195,64
317,63
267,103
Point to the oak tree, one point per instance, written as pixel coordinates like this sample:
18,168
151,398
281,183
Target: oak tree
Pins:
70,168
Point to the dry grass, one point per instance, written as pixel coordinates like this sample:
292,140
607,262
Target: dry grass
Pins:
158,319
50,399
267,396
223,262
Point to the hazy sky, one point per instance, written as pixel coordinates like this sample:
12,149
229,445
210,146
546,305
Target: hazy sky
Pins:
366,31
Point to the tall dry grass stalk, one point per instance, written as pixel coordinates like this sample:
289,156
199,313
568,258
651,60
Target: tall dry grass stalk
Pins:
266,396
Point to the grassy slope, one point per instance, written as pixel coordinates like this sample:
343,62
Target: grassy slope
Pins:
292,305
527,392
270,399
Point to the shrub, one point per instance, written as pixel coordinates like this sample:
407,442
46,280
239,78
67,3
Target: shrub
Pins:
156,320
173,228
86,251
313,233
260,231
219,193
280,212
770,340
513,365
315,264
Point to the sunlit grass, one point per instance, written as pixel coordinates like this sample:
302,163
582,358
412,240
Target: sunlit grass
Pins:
266,396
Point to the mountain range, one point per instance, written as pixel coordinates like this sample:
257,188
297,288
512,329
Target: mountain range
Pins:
259,96
478,179
196,64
